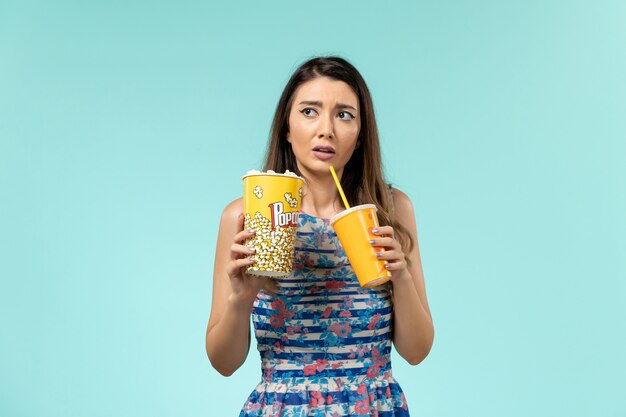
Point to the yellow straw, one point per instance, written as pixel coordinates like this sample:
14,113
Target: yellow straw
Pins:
343,196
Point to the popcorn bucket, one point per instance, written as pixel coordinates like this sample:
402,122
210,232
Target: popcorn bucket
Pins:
271,208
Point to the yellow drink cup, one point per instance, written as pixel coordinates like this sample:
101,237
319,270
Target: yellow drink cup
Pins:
271,208
354,230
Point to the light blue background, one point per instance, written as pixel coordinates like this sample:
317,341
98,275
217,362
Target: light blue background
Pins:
125,129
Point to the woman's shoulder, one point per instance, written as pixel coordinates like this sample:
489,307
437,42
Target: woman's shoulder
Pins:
401,202
233,210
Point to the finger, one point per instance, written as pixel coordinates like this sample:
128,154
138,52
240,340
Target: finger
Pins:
243,235
235,266
240,222
385,242
390,255
237,251
396,266
383,231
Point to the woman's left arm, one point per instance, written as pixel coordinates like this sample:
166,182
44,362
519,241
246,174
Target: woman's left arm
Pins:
413,330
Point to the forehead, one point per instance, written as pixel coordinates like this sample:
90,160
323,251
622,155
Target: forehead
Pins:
326,90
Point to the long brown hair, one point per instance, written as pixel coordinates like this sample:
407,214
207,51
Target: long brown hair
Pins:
362,180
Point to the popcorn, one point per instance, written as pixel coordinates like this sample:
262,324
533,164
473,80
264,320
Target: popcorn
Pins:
270,171
274,247
292,201
258,191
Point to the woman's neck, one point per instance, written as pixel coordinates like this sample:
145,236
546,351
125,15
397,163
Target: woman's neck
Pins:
321,198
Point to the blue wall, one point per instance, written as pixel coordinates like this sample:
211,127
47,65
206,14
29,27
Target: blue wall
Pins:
125,129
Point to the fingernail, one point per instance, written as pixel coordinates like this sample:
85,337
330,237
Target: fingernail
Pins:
250,230
387,266
252,260
251,249
374,230
372,241
378,254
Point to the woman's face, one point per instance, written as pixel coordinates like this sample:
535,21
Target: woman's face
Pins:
324,125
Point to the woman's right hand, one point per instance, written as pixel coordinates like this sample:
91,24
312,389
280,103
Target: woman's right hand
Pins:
228,330
245,287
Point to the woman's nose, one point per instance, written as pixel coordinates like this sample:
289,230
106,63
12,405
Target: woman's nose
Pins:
325,127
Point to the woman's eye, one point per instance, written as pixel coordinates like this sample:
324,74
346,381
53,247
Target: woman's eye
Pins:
308,112
344,115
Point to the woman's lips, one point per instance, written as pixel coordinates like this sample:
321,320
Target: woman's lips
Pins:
324,156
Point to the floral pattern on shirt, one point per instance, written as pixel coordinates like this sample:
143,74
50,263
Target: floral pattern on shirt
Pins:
325,342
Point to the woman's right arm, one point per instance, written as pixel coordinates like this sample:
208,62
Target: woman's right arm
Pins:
228,330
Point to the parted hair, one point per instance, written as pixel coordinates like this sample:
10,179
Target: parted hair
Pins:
363,180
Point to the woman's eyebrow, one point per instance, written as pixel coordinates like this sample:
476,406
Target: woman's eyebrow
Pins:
345,106
319,104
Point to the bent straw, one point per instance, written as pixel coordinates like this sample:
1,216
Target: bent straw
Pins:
343,196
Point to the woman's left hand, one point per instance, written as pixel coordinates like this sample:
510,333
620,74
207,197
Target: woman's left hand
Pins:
396,261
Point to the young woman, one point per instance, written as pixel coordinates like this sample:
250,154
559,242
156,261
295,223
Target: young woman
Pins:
325,342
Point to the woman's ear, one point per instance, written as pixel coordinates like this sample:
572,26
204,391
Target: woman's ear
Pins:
288,137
